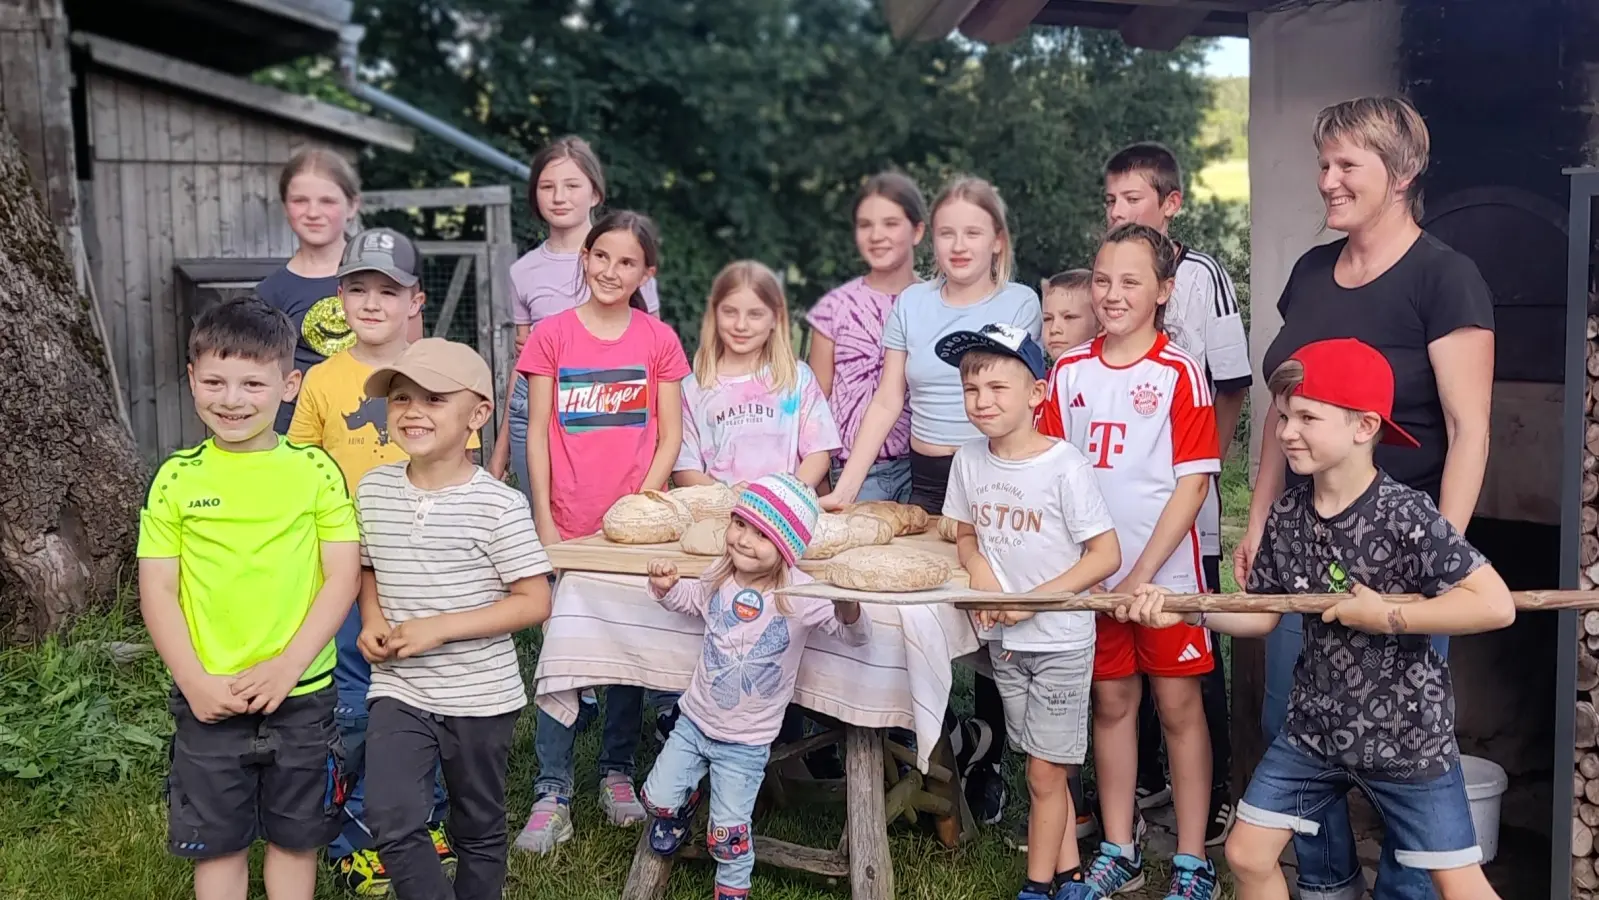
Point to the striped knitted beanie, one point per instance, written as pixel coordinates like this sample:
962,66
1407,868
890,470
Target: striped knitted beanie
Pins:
784,509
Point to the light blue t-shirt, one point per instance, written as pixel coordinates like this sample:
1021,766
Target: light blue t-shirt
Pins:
920,317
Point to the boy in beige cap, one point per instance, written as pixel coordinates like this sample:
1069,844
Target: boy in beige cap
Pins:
452,567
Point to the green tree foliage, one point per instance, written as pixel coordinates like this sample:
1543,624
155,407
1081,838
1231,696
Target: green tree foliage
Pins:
745,126
1226,124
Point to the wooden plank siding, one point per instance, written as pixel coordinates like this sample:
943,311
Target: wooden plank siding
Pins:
174,177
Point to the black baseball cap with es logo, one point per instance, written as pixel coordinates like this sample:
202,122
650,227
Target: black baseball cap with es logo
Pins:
382,250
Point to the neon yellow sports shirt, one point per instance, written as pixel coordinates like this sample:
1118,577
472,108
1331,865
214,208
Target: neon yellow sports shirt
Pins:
246,529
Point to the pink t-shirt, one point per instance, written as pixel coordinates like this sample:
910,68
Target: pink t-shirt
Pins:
746,673
740,429
852,316
604,422
544,283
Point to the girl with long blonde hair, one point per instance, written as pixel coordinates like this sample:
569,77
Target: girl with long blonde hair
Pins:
752,408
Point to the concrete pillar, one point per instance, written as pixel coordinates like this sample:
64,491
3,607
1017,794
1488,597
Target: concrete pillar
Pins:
1300,61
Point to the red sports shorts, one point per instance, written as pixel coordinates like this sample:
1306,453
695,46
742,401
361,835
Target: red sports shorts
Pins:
1123,649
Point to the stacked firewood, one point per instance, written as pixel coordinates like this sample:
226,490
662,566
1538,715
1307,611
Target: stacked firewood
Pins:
1585,780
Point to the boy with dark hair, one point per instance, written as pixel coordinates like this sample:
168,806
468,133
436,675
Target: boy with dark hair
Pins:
1143,184
248,561
380,290
1031,520
1372,703
453,568
1068,299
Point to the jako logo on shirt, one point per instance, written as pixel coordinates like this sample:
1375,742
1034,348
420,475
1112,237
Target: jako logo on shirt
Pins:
590,399
205,503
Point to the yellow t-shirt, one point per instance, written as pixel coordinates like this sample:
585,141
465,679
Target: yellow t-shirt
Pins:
247,530
334,413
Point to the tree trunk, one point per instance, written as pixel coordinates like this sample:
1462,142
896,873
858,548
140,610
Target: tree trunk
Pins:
73,481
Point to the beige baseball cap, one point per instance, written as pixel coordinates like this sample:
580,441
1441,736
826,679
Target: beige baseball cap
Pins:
437,365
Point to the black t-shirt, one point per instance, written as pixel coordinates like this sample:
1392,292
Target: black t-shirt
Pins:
1431,291
1378,704
312,304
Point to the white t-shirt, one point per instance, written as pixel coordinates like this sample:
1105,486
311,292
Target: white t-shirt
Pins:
1202,318
1031,517
1142,427
436,552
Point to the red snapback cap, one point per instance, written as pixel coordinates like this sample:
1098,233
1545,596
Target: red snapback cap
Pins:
1351,373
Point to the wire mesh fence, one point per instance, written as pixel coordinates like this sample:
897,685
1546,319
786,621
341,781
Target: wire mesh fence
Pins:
438,272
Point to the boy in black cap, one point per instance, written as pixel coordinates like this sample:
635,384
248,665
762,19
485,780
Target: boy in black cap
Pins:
1032,519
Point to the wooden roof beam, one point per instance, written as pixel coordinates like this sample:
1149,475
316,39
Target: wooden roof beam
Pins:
1000,21
1151,27
191,78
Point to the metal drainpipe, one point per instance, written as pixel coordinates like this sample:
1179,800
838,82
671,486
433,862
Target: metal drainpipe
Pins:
349,40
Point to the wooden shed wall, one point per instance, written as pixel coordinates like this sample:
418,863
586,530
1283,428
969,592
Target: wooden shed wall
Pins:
173,178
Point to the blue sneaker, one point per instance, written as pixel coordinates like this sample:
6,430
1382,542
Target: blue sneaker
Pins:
1076,890
1192,878
1111,873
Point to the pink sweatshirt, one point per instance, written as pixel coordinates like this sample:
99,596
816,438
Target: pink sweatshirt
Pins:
746,674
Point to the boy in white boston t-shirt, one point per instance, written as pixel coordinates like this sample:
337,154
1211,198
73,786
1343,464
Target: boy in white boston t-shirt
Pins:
1032,520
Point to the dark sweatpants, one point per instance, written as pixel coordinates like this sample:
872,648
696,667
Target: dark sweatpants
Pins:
404,744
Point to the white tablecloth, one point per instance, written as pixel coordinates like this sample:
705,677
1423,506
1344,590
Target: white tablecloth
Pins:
605,629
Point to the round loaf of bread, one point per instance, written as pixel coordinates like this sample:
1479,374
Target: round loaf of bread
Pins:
905,518
890,569
947,528
707,501
707,537
866,531
651,517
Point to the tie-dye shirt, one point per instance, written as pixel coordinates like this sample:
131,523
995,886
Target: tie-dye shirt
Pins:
852,317
740,429
746,673
603,426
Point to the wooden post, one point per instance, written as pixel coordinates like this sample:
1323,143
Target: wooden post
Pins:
871,873
1247,705
646,880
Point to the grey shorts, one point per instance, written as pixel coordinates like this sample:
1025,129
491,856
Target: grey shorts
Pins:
278,777
1046,701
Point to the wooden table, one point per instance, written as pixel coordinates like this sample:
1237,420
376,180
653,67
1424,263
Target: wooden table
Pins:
875,792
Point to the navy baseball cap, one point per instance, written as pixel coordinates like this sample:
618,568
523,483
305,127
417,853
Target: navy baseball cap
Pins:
1006,340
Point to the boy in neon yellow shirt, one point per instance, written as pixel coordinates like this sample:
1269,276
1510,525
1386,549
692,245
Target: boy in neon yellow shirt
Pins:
248,561
381,291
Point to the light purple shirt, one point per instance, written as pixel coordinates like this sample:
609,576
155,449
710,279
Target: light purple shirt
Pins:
852,316
545,283
740,429
747,669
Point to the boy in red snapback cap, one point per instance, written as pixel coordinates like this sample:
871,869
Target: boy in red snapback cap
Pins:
1372,703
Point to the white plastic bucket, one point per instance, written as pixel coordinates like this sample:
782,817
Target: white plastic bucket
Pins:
1485,785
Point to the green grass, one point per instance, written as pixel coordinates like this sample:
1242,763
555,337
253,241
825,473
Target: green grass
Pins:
1226,180
82,753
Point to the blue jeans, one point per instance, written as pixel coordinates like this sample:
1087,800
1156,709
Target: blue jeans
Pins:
553,742
353,676
1329,868
887,479
1427,824
736,773
518,414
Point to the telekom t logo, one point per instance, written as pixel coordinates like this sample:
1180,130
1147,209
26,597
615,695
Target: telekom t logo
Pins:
1105,439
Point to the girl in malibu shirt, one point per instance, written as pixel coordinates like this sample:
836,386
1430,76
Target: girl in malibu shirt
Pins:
751,409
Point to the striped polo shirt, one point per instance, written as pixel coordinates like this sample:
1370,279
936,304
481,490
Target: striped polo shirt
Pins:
447,551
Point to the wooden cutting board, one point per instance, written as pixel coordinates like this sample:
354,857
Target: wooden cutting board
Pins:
597,554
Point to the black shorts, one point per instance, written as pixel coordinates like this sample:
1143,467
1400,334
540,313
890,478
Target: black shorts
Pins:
278,777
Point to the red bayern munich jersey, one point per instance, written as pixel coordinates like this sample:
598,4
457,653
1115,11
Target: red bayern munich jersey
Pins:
1142,427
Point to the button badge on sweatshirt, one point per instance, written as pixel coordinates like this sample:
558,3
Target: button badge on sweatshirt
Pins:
747,605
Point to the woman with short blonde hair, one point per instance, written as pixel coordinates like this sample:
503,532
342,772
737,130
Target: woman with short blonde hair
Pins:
1426,307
